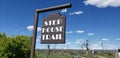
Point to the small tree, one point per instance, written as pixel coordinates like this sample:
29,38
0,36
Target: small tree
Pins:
15,47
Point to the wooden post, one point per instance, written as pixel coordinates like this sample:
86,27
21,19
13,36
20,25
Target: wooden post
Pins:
34,35
48,54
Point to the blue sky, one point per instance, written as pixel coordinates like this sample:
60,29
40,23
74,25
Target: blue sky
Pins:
94,19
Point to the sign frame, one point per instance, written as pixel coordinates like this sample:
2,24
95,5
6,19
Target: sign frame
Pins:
32,52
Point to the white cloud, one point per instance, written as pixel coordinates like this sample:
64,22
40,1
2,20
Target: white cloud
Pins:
80,31
38,39
103,3
96,46
118,39
69,32
39,29
107,46
64,10
110,46
76,13
78,41
31,27
68,43
90,33
105,39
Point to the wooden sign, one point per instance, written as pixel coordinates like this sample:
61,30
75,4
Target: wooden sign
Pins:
53,29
